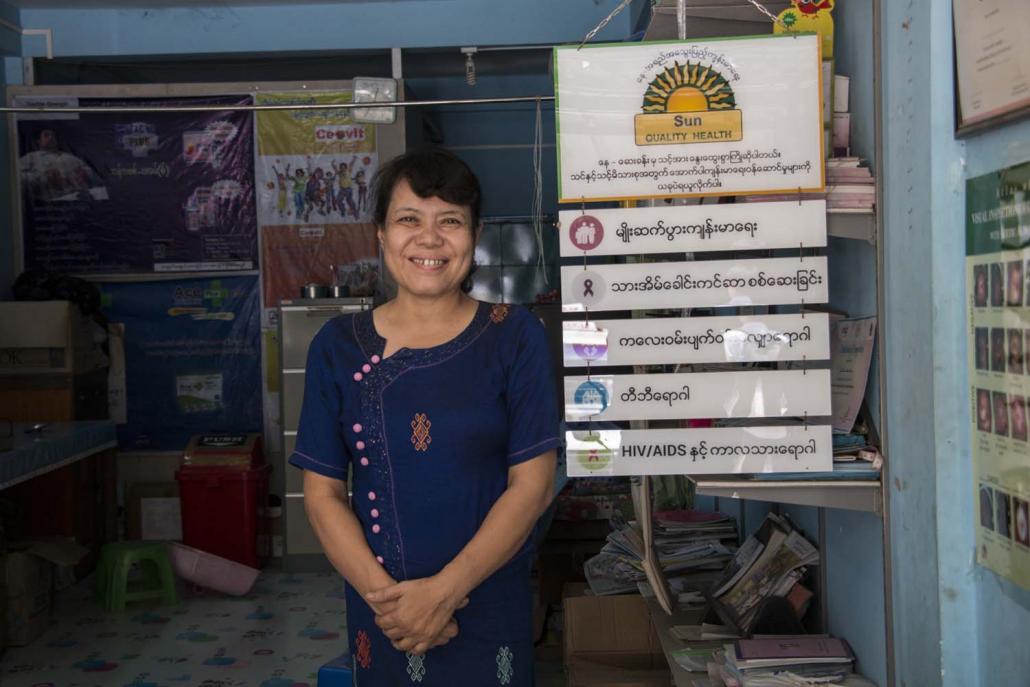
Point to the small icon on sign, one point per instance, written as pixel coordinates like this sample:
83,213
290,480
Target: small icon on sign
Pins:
591,352
586,232
595,458
588,288
591,398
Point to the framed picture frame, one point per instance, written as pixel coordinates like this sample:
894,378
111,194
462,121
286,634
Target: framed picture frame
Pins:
992,63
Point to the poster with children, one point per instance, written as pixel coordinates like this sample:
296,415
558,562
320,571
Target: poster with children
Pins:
313,166
998,290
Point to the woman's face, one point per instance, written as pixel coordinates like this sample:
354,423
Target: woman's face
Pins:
984,408
428,243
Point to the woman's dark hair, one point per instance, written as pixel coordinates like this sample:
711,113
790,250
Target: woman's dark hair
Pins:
431,172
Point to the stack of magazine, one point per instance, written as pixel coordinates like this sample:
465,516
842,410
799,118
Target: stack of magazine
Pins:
769,564
685,543
787,660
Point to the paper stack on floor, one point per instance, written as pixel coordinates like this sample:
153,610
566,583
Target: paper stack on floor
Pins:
690,548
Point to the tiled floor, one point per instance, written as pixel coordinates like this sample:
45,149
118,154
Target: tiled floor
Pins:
276,636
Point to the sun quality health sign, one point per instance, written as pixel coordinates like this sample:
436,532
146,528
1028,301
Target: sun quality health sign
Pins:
700,118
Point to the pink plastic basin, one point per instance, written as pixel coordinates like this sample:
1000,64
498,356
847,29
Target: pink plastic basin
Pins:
214,572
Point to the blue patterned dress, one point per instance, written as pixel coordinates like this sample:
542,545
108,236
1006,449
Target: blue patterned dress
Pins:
429,435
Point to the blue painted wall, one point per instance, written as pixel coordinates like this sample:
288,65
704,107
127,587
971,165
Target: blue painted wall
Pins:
340,26
955,623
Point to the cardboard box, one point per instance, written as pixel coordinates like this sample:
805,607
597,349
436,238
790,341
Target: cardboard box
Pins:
46,337
610,640
27,580
153,511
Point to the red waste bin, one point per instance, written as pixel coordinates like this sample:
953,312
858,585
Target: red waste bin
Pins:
224,511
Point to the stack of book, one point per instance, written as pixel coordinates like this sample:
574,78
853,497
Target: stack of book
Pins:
850,187
690,548
786,660
769,564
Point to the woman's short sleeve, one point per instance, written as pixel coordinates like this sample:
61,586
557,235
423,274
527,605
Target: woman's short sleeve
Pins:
532,402
320,444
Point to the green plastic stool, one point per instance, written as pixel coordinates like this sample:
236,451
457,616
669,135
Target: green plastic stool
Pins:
113,586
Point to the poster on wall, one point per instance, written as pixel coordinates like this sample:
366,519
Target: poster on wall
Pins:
998,288
701,118
137,193
192,358
992,59
313,174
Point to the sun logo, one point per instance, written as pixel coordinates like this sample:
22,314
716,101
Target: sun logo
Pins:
688,88
688,103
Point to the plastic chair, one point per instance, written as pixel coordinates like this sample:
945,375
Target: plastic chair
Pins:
113,586
336,673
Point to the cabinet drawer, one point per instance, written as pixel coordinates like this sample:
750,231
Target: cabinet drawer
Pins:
292,399
299,326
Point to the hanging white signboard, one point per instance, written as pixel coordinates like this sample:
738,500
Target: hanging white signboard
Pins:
693,228
705,451
753,393
681,340
709,283
716,118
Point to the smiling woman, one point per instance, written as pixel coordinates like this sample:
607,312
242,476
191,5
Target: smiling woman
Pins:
428,214
442,410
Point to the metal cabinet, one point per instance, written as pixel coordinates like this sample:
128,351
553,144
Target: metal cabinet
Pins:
299,321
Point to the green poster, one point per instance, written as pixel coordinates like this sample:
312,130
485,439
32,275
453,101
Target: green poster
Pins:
997,280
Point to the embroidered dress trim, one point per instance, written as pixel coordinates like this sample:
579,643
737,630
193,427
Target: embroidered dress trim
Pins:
504,665
364,650
318,462
416,666
549,440
420,438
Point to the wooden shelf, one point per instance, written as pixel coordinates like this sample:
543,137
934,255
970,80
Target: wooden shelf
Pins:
663,625
860,495
859,225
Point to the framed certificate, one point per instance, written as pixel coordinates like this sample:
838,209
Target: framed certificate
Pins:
992,62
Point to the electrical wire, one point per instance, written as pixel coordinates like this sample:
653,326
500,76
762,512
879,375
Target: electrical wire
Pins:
538,192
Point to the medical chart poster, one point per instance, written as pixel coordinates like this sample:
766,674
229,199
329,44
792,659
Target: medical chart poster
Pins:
998,292
192,358
138,192
700,118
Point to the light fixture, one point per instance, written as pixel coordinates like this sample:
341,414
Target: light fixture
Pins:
470,65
